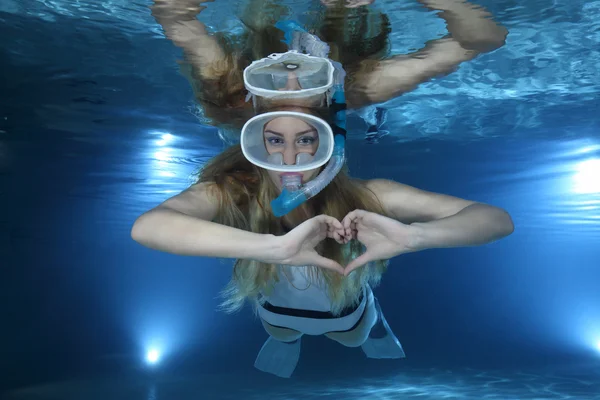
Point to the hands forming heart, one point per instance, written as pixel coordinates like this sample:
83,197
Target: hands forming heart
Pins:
382,236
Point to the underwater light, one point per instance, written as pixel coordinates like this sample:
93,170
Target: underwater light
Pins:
152,356
586,180
165,139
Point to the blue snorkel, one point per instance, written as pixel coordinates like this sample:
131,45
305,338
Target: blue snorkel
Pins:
300,40
289,200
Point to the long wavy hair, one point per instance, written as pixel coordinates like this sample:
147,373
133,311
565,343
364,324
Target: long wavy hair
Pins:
245,193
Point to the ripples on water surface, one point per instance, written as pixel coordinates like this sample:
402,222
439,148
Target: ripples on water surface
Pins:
101,71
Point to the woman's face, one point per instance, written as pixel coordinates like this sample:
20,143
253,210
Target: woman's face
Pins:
290,136
292,83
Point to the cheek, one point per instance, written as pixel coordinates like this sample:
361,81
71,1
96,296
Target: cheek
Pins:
308,175
268,147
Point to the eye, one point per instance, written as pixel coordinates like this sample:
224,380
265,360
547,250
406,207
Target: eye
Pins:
307,140
274,140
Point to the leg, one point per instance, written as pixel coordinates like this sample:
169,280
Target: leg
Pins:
373,334
281,334
357,336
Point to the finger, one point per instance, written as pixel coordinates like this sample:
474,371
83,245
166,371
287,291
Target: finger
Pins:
337,236
341,235
334,232
348,230
335,229
357,263
350,234
352,222
347,221
328,263
331,221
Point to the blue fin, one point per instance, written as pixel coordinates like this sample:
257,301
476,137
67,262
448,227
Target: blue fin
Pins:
278,358
382,343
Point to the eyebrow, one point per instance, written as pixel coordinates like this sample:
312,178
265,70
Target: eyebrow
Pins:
297,133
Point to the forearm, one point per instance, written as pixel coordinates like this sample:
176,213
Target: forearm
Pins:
179,20
475,225
173,232
469,24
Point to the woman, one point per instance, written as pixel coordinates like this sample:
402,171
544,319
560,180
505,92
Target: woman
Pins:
309,241
356,35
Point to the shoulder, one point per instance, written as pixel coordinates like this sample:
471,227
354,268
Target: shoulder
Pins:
380,189
382,185
384,188
387,191
200,200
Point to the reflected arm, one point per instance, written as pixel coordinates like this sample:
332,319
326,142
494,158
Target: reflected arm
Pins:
471,32
179,21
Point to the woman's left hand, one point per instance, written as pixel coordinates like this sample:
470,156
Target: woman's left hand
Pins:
383,237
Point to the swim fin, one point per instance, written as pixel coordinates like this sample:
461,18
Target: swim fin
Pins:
375,117
278,358
382,343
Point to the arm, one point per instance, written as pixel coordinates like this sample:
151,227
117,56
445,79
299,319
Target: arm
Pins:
178,19
439,220
471,32
182,225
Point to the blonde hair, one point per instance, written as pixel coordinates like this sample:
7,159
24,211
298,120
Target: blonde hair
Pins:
219,87
245,193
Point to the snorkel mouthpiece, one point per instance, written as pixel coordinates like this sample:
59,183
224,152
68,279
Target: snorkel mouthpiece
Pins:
290,198
291,182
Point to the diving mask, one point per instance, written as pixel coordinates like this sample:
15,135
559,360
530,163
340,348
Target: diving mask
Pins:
290,75
265,148
330,151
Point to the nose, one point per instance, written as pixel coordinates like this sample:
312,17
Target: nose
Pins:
289,155
292,82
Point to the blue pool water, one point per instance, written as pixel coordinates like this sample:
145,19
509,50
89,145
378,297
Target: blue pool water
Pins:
97,126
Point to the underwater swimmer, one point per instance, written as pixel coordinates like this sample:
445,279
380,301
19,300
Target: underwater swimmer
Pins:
309,241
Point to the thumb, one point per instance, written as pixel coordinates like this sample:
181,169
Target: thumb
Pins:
357,262
328,263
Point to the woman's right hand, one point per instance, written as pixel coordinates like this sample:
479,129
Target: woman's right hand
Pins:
297,247
179,10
